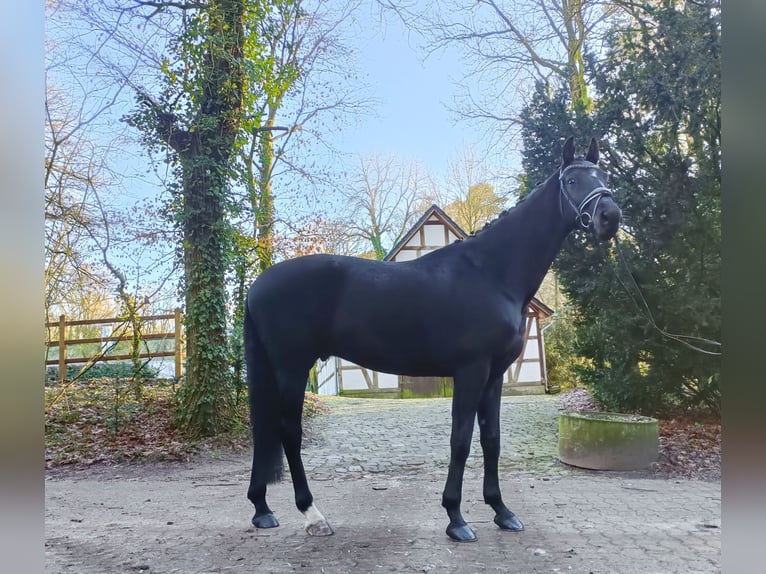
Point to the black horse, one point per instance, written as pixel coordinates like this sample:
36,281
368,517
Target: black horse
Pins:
455,312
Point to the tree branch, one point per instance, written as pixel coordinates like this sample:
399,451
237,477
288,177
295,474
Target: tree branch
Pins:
160,6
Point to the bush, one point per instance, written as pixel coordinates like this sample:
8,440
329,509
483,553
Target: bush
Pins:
560,356
110,370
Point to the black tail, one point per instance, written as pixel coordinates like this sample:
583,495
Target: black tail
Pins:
265,408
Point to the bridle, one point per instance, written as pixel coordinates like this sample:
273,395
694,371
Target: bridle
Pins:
581,216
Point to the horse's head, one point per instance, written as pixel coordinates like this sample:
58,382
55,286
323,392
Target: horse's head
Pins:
584,186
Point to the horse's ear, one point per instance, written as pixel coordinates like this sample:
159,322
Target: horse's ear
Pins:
569,150
593,151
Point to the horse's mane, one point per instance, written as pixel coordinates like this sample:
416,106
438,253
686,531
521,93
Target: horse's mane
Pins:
489,224
500,216
506,211
521,200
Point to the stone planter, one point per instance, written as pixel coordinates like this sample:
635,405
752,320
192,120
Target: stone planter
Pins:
608,441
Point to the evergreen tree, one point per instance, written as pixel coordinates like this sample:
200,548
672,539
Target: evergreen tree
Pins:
657,114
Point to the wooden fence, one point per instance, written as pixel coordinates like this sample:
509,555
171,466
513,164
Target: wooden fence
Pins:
62,342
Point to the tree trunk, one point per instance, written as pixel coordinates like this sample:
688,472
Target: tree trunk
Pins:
264,215
206,405
575,28
377,245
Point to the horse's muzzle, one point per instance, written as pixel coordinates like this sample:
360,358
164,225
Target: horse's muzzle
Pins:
606,220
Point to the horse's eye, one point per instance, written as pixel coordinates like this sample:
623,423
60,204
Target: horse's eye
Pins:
571,181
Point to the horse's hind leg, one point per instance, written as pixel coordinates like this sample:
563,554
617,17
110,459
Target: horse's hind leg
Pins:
489,432
291,434
256,492
267,448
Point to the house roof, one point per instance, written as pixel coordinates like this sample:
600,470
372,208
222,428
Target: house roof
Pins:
433,210
541,309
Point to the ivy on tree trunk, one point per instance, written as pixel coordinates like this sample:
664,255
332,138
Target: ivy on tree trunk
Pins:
209,78
206,405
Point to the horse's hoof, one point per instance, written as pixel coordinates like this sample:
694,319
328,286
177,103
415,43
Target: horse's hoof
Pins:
265,521
321,528
461,533
508,521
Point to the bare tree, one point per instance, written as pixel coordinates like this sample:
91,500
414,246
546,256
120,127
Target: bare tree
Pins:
67,176
383,200
300,83
467,192
90,230
303,82
318,233
508,46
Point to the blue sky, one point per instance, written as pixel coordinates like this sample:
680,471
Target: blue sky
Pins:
412,119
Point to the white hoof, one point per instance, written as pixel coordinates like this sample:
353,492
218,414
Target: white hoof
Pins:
316,525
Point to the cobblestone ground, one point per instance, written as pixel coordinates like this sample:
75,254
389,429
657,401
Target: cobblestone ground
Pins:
377,468
412,437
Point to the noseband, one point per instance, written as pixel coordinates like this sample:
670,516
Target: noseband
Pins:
583,217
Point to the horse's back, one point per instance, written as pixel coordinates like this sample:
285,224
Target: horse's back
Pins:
419,317
295,272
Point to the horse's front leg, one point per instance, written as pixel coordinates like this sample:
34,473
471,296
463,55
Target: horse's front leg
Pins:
489,433
467,391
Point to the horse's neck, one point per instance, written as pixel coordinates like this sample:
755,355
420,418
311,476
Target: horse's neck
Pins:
519,248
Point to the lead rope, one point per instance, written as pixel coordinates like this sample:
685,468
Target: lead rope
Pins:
646,312
643,308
